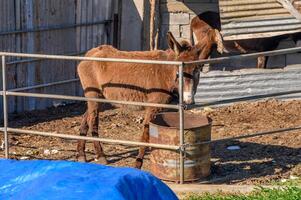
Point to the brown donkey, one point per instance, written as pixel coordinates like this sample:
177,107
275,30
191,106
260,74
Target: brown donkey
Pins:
152,83
205,30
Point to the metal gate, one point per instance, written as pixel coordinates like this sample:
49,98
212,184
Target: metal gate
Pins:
69,27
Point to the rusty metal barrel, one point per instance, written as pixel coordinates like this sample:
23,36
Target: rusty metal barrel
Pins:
165,164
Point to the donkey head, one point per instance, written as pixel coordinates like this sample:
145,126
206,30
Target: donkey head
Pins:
185,52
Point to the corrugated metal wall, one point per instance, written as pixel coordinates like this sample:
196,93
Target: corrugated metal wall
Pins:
47,14
228,87
243,19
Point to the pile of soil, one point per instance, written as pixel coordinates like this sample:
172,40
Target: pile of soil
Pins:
258,160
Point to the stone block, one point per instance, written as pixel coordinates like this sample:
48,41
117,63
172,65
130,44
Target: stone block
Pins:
185,31
175,18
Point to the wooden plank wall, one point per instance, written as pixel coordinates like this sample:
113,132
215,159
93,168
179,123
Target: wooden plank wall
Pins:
28,14
176,16
8,43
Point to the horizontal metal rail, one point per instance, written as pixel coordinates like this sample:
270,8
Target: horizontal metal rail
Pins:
104,140
162,62
171,147
54,27
56,57
247,136
188,107
149,144
65,97
246,56
38,59
43,85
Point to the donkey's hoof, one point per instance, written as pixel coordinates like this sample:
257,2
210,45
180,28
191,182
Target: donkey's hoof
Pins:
101,160
81,159
138,163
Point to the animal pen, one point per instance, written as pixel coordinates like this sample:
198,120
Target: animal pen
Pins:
84,21
180,106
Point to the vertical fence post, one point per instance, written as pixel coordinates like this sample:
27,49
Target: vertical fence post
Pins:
5,115
181,114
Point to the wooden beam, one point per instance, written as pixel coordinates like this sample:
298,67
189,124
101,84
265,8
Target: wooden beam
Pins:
154,24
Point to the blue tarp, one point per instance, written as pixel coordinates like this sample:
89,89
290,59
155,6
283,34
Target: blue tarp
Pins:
73,180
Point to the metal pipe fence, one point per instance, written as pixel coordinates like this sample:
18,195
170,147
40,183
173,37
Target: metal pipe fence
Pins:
104,140
43,85
180,106
246,56
5,113
17,92
65,97
13,62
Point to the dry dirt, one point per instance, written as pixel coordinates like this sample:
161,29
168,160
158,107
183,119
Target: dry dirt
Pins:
259,160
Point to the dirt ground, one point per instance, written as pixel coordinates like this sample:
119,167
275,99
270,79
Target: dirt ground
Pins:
260,160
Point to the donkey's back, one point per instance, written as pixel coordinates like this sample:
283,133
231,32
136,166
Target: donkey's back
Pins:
127,81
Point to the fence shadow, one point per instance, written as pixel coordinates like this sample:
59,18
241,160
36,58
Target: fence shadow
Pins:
253,160
29,118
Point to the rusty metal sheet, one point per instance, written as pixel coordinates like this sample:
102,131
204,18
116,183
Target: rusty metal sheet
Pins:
245,19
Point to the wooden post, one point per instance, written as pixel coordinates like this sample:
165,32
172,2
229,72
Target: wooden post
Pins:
115,30
154,24
152,21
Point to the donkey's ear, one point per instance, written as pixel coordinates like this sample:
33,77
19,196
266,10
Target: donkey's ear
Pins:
173,43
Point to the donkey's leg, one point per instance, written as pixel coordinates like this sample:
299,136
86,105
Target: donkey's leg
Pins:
93,121
261,62
82,143
150,113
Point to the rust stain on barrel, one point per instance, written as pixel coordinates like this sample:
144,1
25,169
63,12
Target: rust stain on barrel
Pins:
165,164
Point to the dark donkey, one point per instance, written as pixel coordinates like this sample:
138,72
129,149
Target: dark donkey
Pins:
134,82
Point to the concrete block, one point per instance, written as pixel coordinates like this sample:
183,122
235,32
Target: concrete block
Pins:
185,31
175,29
175,18
163,31
192,15
197,1
188,7
172,28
